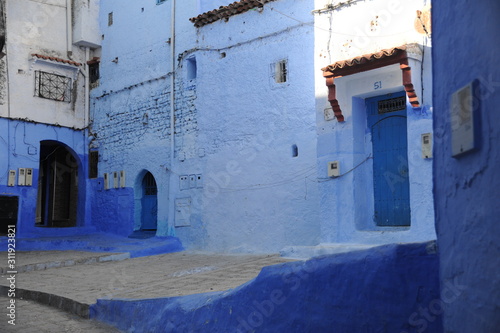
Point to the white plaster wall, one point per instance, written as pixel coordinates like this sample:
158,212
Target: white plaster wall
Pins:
42,30
256,196
361,28
86,30
207,5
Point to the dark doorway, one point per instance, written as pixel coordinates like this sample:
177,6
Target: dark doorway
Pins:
57,186
149,213
9,207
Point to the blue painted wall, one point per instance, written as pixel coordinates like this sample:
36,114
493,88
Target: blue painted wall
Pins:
131,110
233,125
467,189
256,196
20,148
347,203
394,288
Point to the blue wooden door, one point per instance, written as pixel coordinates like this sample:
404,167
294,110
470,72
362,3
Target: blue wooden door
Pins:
149,215
387,121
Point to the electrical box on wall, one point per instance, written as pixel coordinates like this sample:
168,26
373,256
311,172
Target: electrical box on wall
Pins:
465,116
106,181
12,178
334,169
122,179
115,179
427,145
29,177
184,182
182,212
329,114
21,181
192,181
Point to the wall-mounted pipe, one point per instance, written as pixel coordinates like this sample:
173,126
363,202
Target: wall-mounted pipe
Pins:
171,204
69,27
86,119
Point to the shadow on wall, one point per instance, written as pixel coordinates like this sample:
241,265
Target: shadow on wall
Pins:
392,288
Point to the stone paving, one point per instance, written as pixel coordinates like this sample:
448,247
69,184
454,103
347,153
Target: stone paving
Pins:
164,275
32,317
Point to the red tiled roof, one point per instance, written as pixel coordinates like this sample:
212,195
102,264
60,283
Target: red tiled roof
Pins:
365,59
69,62
224,12
395,55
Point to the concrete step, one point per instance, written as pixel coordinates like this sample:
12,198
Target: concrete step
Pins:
42,260
306,252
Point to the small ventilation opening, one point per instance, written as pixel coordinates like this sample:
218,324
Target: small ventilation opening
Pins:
110,19
191,68
281,71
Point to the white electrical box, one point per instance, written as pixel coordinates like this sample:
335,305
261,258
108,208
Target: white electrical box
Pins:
29,177
199,181
115,179
427,145
12,178
334,169
122,178
329,114
182,212
465,119
192,181
106,181
21,181
184,182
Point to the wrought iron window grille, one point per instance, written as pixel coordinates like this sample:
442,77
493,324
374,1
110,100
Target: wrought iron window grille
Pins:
53,86
392,105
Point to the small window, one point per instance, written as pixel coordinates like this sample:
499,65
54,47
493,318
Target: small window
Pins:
191,68
295,151
110,19
52,86
93,163
281,72
94,72
392,105
159,2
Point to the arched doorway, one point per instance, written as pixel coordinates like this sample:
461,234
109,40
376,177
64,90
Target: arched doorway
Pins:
57,201
149,211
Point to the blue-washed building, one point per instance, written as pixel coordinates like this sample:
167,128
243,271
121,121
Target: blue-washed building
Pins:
141,88
240,126
374,121
467,158
204,124
44,113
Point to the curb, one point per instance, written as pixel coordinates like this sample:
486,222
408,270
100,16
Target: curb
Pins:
67,263
55,301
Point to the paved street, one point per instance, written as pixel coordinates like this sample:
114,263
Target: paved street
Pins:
32,317
164,275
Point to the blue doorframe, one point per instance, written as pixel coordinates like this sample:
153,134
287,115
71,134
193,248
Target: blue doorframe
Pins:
387,122
149,212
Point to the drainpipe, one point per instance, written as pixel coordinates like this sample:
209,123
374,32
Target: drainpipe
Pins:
86,117
69,28
172,117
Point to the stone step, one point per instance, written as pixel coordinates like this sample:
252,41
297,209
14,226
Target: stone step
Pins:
45,262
